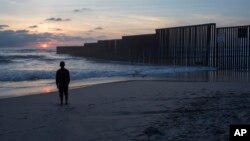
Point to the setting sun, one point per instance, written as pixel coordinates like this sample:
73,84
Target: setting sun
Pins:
44,45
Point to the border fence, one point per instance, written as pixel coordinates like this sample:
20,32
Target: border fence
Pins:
226,48
187,46
233,48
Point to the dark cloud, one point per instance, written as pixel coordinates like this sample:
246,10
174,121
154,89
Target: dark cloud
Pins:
3,26
22,38
33,26
81,10
23,31
93,30
53,19
99,28
56,29
77,10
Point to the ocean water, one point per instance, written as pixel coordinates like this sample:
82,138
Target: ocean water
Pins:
29,71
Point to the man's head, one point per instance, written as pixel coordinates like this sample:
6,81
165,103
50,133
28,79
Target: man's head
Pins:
62,64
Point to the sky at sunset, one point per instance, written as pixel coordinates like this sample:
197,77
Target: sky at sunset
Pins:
48,23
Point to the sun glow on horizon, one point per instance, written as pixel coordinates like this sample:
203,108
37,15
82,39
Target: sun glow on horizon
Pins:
44,45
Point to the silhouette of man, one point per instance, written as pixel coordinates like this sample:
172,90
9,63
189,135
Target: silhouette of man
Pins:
62,82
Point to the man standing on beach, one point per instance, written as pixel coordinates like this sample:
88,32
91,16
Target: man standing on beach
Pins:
62,82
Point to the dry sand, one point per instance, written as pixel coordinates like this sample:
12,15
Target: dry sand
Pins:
136,110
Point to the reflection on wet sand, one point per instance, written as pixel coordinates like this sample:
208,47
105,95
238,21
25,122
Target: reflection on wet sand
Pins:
48,89
214,76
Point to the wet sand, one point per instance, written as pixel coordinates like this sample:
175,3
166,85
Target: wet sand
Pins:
135,110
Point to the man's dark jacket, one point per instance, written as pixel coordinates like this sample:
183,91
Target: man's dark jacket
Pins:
62,77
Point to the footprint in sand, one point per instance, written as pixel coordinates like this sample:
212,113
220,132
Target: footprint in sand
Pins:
90,106
151,131
24,116
24,113
39,127
70,108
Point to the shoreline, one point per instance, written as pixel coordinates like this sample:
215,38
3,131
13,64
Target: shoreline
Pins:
203,76
53,88
90,85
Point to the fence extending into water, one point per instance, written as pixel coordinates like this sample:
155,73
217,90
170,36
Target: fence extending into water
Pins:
225,48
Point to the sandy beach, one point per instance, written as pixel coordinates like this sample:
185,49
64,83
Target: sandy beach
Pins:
134,110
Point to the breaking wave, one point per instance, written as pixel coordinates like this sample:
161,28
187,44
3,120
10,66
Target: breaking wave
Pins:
36,64
30,75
